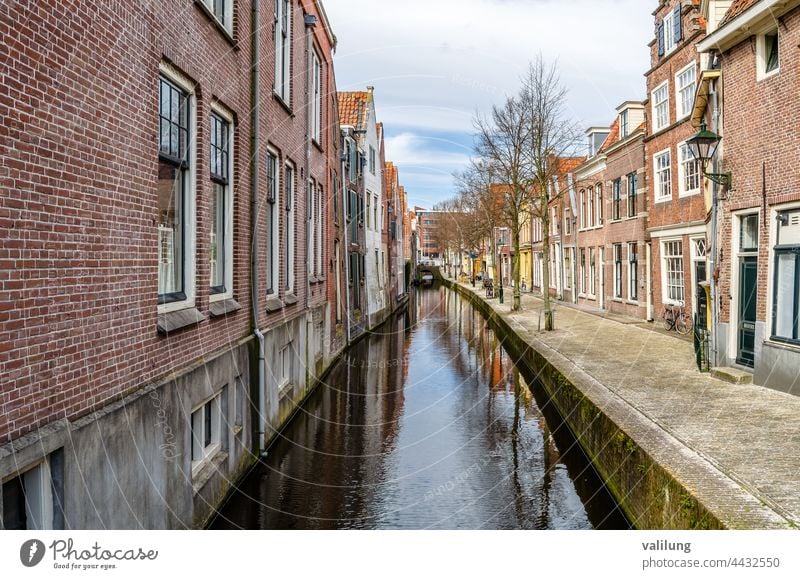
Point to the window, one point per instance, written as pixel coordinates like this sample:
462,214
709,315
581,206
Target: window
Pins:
283,48
786,290
748,233
369,205
206,428
583,209
288,228
372,159
567,221
311,253
34,497
592,272
352,159
663,177
688,172
583,271
633,271
670,31
319,237
285,360
767,53
554,221
568,268
220,254
221,9
672,263
173,192
660,98
378,267
632,185
685,83
272,223
316,97
624,128
375,223
598,192
618,270
616,194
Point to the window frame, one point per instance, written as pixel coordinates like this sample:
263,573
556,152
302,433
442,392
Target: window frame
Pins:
208,450
657,103
680,114
633,271
273,220
632,194
761,53
682,163
776,250
616,199
657,182
226,22
617,255
316,96
183,300
290,201
666,297
226,291
282,84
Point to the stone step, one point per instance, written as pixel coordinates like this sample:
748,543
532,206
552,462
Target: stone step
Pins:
732,375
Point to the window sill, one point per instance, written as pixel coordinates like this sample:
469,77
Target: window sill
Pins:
170,322
767,75
632,302
787,346
689,194
221,307
206,468
663,200
290,299
220,27
285,390
317,145
274,304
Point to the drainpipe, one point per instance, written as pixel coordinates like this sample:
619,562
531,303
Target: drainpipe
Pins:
649,287
713,250
346,248
255,194
310,22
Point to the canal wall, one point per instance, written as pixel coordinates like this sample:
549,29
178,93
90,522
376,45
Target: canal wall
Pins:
658,482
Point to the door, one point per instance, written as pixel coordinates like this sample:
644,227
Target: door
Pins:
748,279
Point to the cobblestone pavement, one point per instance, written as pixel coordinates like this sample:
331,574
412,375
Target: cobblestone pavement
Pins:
749,434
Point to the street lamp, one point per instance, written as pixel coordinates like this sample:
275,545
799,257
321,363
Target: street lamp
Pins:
703,146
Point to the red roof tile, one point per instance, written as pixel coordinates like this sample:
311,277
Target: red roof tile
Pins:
612,138
736,8
352,107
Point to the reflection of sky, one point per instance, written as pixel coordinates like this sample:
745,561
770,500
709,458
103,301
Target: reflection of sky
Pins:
434,64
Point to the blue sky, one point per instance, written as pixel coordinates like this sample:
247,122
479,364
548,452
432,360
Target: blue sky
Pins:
435,63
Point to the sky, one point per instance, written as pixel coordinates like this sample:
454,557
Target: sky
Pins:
436,63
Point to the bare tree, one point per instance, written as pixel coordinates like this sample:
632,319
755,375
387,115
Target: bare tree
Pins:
502,142
551,138
482,208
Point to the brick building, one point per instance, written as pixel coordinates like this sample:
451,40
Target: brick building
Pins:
747,95
138,171
677,212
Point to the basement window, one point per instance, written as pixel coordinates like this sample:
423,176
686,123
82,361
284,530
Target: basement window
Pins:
34,497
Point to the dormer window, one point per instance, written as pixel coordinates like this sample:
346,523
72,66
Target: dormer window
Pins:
624,127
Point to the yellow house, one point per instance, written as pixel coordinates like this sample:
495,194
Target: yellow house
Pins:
525,251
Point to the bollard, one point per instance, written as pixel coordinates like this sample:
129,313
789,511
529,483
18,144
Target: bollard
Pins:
500,294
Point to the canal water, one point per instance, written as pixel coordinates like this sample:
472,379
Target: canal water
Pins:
426,424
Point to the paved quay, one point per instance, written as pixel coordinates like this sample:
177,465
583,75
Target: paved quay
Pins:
735,447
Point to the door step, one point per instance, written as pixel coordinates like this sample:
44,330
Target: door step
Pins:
732,375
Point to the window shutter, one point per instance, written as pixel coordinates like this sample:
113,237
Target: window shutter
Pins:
660,34
676,22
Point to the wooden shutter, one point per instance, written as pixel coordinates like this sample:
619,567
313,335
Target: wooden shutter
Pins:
677,24
660,35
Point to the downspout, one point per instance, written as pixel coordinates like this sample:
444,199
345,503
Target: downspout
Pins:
346,248
713,253
255,147
310,21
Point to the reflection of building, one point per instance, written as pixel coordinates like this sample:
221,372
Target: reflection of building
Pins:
427,229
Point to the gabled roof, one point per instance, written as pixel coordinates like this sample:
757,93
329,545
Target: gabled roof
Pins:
352,108
612,138
736,8
569,164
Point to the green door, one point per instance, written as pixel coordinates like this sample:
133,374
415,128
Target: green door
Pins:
748,279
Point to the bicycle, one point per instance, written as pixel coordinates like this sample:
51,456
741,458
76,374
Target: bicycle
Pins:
675,318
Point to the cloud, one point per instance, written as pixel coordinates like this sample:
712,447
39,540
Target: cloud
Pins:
435,63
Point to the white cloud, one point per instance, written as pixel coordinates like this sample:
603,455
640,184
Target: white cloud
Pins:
409,149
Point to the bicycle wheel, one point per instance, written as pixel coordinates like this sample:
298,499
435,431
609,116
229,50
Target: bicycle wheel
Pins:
669,321
683,325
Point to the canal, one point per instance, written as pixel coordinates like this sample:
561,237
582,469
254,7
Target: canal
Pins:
426,424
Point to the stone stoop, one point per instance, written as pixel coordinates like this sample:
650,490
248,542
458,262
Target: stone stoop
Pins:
732,375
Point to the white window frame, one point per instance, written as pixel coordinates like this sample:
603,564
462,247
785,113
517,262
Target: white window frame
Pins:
215,445
657,103
568,267
227,16
230,188
618,261
624,124
39,507
286,365
316,96
631,271
657,182
669,32
591,257
761,54
773,240
682,191
190,202
275,242
598,200
290,217
311,230
283,53
320,238
665,298
684,105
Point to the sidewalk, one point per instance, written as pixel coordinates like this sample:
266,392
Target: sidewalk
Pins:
748,436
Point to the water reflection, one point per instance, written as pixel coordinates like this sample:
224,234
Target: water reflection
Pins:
425,425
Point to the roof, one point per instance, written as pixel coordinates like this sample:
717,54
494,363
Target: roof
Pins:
351,108
736,8
569,164
612,138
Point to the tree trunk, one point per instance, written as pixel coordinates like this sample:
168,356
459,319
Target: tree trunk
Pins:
516,302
